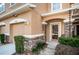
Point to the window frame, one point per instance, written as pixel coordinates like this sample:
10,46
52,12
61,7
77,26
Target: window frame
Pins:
3,7
52,10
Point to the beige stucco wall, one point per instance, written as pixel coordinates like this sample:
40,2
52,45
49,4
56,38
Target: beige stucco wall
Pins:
26,16
65,5
33,27
42,8
54,16
36,23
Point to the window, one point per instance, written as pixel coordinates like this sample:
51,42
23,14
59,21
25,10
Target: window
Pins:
12,4
2,7
55,6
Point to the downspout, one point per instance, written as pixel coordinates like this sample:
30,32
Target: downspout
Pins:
45,33
70,23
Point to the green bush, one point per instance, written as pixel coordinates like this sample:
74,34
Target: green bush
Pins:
35,50
77,36
39,46
2,38
71,41
19,43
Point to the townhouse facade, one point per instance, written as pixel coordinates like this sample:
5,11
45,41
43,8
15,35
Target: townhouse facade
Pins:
32,20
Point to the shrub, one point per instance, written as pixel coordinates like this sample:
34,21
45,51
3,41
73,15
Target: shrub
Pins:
35,50
19,43
71,41
2,38
39,46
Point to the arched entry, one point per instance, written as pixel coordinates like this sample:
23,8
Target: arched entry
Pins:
56,28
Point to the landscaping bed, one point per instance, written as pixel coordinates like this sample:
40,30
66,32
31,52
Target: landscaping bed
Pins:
32,47
66,50
67,46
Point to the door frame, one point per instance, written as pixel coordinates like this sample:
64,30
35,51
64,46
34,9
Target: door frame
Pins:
59,29
75,29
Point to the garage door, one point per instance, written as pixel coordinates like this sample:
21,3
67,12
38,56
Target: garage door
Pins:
18,29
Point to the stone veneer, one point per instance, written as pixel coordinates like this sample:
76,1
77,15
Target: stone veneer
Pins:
66,29
32,42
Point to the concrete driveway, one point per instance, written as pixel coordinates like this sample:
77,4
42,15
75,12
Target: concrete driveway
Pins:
7,49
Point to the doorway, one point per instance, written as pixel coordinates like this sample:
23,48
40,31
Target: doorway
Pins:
55,30
77,29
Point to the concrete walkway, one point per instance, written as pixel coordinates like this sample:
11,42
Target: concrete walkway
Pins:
7,49
50,50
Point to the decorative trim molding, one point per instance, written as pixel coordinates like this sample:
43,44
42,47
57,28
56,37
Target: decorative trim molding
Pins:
33,36
2,23
19,20
67,20
44,23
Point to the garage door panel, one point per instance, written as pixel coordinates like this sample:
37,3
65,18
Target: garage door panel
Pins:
18,29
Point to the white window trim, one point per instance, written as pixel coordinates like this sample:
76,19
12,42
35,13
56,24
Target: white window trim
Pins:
52,7
12,5
59,28
3,9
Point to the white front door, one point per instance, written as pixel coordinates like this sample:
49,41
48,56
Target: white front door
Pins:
55,30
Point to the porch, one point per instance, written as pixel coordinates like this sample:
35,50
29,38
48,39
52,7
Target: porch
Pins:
75,29
53,29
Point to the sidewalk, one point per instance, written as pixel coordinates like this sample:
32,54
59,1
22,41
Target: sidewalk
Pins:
50,50
7,49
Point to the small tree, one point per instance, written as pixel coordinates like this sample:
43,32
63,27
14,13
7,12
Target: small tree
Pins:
19,44
2,38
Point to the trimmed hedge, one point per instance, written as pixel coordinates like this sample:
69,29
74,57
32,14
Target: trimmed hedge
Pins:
71,41
2,38
19,43
39,46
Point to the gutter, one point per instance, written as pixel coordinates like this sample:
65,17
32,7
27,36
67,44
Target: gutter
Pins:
61,11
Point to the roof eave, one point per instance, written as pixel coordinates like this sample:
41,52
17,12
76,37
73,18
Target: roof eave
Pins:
20,9
61,11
